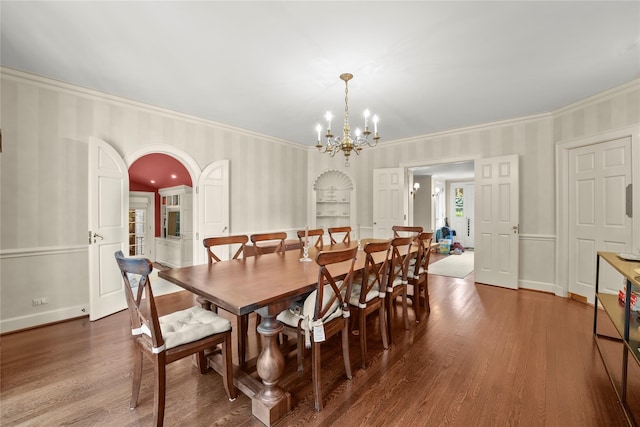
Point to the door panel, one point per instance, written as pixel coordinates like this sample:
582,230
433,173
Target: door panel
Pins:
388,201
108,227
214,204
496,220
598,176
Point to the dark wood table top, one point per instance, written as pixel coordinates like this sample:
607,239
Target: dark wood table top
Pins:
243,286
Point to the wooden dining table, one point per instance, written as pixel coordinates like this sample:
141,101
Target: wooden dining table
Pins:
266,284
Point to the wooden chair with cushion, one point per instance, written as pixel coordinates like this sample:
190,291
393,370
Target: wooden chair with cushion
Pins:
369,291
269,242
229,243
417,275
397,280
317,233
325,313
335,232
171,337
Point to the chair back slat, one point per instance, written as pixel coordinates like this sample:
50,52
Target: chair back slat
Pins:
334,233
279,237
406,231
424,251
399,267
375,273
142,306
340,291
318,233
211,242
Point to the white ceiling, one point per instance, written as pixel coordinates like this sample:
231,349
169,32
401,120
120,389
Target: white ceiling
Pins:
273,67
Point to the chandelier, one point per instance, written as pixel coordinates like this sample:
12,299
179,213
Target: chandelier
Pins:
347,143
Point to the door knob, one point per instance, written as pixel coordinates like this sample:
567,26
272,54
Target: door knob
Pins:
94,236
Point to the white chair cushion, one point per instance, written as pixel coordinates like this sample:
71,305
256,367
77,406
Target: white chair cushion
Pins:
192,324
291,318
411,273
357,290
397,282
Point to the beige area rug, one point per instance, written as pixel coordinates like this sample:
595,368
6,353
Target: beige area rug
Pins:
458,266
159,286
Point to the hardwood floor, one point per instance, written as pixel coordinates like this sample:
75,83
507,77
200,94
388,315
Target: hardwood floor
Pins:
484,356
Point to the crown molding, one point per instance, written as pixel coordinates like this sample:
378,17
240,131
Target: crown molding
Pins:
48,83
468,129
599,97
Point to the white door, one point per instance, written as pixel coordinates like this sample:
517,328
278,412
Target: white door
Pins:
213,189
388,201
497,221
108,213
598,178
462,212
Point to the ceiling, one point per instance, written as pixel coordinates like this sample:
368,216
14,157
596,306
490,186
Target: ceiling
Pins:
157,170
272,67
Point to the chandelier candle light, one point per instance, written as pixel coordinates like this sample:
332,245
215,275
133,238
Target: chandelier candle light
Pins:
346,143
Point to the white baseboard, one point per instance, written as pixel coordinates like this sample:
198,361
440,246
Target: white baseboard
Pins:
39,319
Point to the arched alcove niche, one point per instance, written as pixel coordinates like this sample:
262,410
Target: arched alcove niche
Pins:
334,202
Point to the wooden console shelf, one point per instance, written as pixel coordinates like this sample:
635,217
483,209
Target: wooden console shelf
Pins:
624,320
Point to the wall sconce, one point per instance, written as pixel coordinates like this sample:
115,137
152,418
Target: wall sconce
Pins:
416,187
436,191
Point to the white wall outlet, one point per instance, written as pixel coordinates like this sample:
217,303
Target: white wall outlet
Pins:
39,301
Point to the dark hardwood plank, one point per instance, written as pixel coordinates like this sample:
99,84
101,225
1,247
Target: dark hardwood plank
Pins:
484,356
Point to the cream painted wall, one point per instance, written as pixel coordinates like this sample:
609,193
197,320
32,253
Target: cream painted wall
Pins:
46,126
43,175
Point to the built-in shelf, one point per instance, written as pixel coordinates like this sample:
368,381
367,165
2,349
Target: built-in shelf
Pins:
174,247
334,201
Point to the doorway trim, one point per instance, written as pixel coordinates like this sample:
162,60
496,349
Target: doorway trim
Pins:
433,162
187,161
562,193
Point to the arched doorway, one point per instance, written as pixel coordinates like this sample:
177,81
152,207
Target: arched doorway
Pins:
167,166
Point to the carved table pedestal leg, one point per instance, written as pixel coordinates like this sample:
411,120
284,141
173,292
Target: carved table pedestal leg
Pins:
271,403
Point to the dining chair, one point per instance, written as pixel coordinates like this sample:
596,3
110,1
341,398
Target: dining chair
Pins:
397,280
325,313
417,275
369,291
229,244
335,232
165,339
406,231
269,242
318,233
